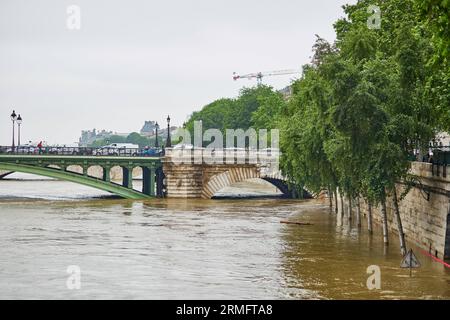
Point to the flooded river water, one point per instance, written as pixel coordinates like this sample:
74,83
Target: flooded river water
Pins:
189,249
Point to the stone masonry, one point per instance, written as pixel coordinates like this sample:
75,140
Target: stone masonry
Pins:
425,210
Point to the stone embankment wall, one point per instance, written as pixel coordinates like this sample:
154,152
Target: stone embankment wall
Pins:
425,210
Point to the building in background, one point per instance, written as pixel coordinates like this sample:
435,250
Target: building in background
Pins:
442,140
88,137
286,92
148,129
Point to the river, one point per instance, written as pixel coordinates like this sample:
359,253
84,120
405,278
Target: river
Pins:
192,249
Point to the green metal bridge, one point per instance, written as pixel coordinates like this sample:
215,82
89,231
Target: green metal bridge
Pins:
56,166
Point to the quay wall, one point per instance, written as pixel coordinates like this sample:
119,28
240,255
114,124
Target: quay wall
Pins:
424,211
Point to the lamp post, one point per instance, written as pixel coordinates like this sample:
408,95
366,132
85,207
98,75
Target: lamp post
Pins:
156,134
168,141
13,119
19,122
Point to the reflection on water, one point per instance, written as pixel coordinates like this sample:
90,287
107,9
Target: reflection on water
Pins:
193,249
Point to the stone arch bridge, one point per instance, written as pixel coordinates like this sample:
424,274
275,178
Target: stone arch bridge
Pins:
201,173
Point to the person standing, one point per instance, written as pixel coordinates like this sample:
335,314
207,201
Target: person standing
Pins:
40,147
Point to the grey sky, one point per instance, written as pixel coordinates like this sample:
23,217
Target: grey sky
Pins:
139,60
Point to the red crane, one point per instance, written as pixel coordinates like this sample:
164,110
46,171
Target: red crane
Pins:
260,75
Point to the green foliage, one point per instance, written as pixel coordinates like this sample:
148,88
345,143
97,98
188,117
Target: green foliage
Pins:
255,107
365,103
436,14
218,115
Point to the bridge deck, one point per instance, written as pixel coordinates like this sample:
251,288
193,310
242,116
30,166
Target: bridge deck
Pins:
53,157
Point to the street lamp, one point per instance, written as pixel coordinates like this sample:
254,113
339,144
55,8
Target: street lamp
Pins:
13,119
19,122
168,141
156,134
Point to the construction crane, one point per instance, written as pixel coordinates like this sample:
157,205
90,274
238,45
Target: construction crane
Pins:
260,75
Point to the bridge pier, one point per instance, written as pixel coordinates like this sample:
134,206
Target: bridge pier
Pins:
127,177
106,174
85,170
159,182
148,181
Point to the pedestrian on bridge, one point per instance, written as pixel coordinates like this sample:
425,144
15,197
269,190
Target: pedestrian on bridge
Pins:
40,147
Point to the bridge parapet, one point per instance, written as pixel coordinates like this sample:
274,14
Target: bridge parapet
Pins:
210,156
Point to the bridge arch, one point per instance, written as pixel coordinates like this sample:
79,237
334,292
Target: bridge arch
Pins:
221,180
224,179
287,190
76,178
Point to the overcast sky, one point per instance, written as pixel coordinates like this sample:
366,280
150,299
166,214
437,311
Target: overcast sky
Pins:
139,60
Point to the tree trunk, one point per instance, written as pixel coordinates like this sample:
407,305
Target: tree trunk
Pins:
401,235
349,208
358,212
369,218
330,199
342,204
385,224
336,209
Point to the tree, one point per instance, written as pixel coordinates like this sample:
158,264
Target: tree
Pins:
255,107
136,138
375,108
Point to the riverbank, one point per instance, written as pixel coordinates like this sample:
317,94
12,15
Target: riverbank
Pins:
424,211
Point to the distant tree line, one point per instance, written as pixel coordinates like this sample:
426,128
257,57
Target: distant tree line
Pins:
134,138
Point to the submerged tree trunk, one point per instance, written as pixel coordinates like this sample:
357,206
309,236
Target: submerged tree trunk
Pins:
349,208
385,224
330,199
358,212
336,209
369,218
401,235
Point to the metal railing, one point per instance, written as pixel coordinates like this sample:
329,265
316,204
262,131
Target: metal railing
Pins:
80,151
437,155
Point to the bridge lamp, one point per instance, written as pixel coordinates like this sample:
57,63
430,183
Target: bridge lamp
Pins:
19,123
168,142
156,134
13,119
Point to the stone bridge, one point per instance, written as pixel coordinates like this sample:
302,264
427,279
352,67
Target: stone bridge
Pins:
201,173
